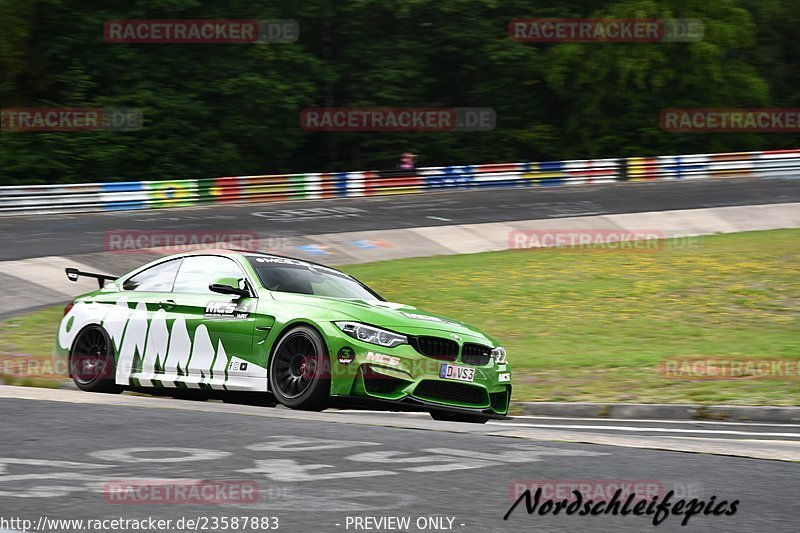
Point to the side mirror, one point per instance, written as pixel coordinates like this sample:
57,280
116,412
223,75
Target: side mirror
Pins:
229,286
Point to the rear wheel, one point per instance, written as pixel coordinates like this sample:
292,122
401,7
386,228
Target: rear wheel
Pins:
91,362
445,416
299,373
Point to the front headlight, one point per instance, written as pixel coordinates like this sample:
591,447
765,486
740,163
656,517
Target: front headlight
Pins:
372,335
499,355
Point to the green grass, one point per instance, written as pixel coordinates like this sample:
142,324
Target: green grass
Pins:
27,347
593,325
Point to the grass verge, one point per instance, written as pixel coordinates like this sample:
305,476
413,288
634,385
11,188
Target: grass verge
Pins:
593,325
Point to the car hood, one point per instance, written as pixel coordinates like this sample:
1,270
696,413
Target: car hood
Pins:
395,316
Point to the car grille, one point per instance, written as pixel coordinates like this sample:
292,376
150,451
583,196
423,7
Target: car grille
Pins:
444,391
475,354
436,347
381,384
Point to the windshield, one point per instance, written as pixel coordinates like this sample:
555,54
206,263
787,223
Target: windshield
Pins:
290,275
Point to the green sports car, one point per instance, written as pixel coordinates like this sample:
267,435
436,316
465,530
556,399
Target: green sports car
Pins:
305,335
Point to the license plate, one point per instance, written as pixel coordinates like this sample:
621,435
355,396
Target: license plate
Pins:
458,373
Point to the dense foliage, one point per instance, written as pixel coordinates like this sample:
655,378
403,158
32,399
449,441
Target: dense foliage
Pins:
234,109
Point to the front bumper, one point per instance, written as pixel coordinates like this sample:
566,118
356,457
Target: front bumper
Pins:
409,404
404,379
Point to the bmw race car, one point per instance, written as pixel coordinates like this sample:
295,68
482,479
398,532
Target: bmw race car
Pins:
299,333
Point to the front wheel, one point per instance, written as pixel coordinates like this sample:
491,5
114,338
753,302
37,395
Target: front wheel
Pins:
91,362
299,374
445,416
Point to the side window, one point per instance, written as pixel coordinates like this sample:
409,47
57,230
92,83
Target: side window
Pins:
198,272
158,278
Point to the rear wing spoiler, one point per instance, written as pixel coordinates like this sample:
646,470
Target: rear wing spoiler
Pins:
73,274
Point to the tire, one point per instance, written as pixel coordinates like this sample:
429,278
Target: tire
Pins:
91,362
445,416
299,370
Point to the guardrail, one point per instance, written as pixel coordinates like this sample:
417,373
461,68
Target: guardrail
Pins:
182,193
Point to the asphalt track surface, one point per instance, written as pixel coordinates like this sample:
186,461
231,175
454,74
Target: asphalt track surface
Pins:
28,236
315,472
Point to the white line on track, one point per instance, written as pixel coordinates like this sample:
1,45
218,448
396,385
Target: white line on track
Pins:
771,442
596,420
653,430
649,421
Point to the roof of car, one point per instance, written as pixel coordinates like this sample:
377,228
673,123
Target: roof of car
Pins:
230,251
265,254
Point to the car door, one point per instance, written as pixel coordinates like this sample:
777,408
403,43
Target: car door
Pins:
218,328
137,323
